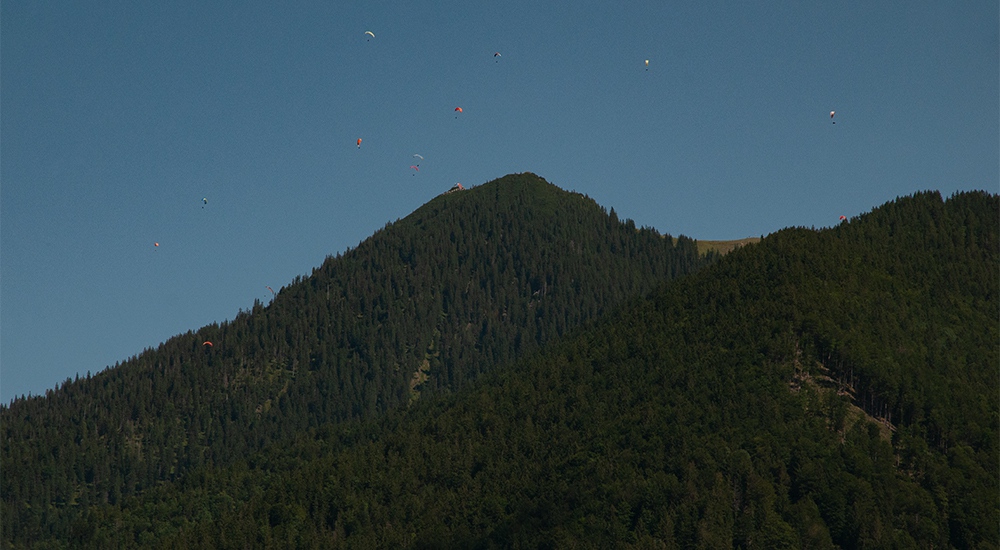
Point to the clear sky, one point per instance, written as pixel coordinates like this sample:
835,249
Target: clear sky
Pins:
118,118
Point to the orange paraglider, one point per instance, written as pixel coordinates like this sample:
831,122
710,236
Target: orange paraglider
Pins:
831,116
207,344
359,143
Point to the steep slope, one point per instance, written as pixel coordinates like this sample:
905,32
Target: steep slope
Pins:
471,280
679,421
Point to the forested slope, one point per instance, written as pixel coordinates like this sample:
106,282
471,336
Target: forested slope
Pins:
469,281
690,419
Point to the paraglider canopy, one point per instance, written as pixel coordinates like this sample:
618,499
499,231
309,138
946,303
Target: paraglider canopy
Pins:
831,116
359,143
207,343
458,109
843,218
370,33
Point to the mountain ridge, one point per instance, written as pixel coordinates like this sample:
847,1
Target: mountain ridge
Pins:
672,421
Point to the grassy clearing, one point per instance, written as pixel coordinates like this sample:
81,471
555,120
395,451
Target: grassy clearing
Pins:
724,247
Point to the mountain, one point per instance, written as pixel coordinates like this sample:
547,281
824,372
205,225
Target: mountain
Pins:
819,389
471,281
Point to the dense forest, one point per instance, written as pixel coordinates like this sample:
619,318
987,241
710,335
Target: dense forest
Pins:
820,389
470,281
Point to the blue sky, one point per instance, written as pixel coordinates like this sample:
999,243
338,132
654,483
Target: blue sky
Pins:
118,118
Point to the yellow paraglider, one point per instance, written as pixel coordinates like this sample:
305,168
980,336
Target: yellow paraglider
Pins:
370,33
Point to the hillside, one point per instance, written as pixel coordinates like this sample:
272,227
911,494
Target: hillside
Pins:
681,420
472,280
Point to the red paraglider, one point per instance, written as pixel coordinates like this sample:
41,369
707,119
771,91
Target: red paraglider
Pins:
843,218
271,289
831,116
359,143
208,344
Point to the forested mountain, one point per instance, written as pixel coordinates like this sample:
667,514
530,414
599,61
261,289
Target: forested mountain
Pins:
472,280
723,410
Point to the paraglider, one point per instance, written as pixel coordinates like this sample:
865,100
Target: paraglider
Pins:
371,34
496,55
647,64
416,156
156,246
204,201
458,110
271,289
831,116
208,344
843,218
359,143
416,168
